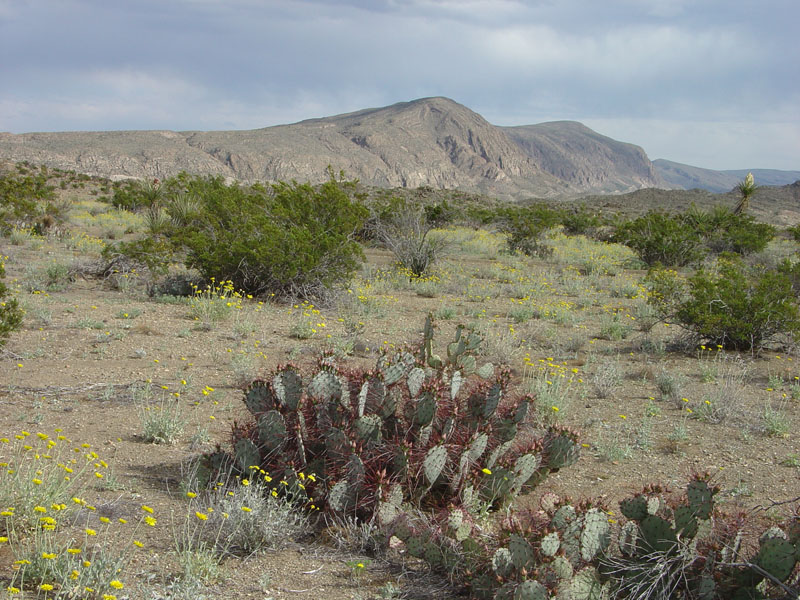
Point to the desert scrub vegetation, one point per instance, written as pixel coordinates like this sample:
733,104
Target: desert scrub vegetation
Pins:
289,239
731,305
682,239
10,311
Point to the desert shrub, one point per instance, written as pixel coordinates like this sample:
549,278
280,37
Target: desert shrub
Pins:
724,231
134,195
526,228
28,201
403,228
739,307
580,221
292,239
659,238
10,311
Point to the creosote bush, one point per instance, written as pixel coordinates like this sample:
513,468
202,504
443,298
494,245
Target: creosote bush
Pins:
291,239
10,311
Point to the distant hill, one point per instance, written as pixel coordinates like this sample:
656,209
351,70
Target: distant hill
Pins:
432,142
686,177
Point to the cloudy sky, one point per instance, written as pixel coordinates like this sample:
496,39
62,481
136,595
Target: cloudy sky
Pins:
712,83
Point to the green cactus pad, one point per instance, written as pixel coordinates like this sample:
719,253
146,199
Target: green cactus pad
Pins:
455,384
478,446
657,534
550,544
467,364
396,371
455,518
492,400
434,463
521,552
701,498
586,585
325,387
414,381
387,514
562,567
522,411
653,504
368,429
498,453
685,521
595,536
634,508
463,532
375,396
502,564
336,443
563,517
506,592
355,472
433,554
271,431
531,590
258,397
339,497
401,528
485,371
706,589
288,388
628,538
416,546
524,469
425,410
506,429
246,455
777,557
561,452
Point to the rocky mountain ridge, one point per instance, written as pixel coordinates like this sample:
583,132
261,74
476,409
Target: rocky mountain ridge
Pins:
432,142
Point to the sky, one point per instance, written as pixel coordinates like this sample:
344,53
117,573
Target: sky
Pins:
711,83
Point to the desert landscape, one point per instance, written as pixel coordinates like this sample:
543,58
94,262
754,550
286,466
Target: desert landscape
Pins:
126,378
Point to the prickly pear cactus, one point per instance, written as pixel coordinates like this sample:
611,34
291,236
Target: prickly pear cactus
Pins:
595,535
271,432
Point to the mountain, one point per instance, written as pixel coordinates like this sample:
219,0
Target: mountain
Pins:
687,177
432,142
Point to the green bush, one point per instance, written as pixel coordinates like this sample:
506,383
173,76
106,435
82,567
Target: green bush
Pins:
659,238
724,231
739,307
291,239
10,312
27,201
526,227
580,221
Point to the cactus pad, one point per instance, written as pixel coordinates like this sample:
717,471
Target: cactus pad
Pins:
434,463
777,557
415,379
288,388
455,384
336,443
628,536
485,371
416,546
259,397
634,508
685,521
396,371
502,563
467,363
368,429
271,431
521,552
701,498
425,410
561,451
531,590
653,504
498,453
246,454
562,567
586,585
657,534
563,517
340,497
492,400
522,411
595,534
477,447
550,544
524,469
325,387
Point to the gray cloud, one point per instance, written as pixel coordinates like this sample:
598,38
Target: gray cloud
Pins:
683,79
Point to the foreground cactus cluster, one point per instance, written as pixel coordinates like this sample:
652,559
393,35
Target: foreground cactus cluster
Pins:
417,431
426,447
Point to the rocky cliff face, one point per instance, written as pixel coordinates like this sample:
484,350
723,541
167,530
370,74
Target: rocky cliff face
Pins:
433,141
